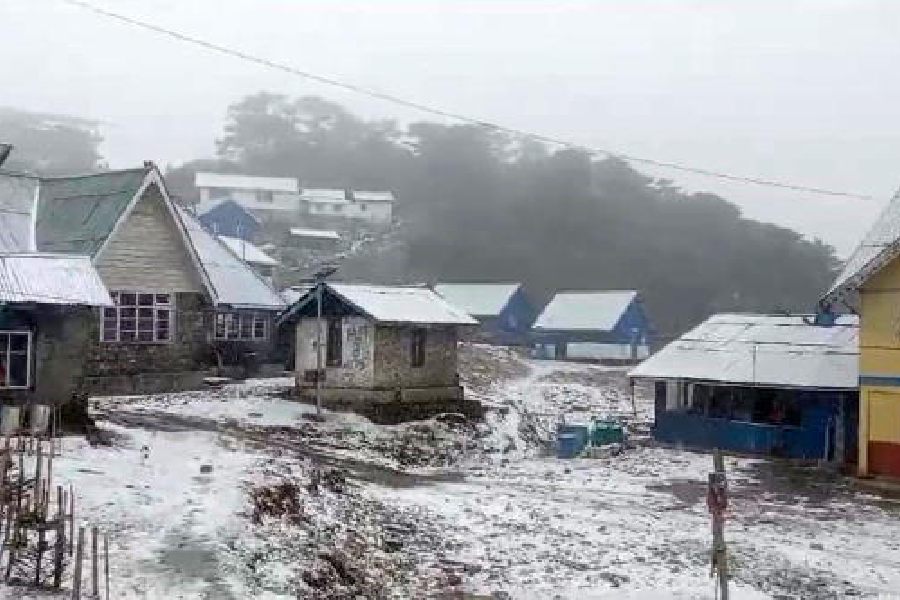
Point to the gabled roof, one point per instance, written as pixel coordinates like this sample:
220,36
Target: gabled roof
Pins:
393,304
879,246
372,196
246,182
76,215
51,279
478,299
18,194
769,350
328,196
230,281
247,252
585,311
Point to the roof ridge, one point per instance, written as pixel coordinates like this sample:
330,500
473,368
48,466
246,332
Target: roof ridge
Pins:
51,178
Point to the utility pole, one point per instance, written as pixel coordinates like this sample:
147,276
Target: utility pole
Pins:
717,502
320,277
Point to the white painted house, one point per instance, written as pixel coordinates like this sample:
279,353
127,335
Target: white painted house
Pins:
278,194
375,207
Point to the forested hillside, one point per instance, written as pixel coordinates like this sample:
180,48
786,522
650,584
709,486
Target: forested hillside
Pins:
475,204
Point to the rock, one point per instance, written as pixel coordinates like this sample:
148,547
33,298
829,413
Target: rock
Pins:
205,469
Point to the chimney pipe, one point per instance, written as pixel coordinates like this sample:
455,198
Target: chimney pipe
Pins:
5,149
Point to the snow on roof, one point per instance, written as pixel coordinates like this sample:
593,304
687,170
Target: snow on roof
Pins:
248,252
294,293
17,200
51,279
322,195
585,311
880,245
233,283
762,350
246,182
323,234
397,304
373,196
479,299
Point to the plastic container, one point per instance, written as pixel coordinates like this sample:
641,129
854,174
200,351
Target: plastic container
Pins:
39,418
607,432
10,418
568,445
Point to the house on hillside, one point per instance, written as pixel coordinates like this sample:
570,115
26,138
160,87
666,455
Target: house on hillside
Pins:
502,310
48,307
388,352
319,239
264,196
251,254
762,384
371,207
869,285
607,326
231,219
183,303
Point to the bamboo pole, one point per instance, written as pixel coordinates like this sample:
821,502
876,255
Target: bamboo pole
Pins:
95,560
59,547
106,561
79,557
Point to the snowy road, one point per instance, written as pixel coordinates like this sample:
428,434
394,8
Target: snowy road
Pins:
432,505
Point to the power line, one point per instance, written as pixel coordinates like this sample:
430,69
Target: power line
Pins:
418,106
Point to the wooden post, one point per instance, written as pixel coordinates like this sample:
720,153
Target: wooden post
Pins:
106,561
42,538
38,470
12,547
717,502
71,518
79,557
95,561
59,547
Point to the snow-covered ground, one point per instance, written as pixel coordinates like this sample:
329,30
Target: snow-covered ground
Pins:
297,508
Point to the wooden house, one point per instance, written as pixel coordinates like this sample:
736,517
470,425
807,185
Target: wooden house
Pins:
230,219
869,285
502,310
606,326
183,303
763,384
389,352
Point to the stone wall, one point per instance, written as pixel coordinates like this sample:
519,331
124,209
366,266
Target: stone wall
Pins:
393,358
356,369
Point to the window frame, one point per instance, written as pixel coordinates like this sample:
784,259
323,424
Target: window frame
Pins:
156,306
418,339
233,326
7,353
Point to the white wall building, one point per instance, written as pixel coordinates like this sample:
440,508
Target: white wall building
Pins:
375,207
253,193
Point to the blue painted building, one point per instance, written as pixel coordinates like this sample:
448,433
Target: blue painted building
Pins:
759,384
502,310
230,219
606,326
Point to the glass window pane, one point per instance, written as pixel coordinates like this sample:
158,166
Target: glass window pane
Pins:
162,298
246,327
145,299
3,378
4,341
127,336
127,299
18,342
145,325
259,329
128,313
109,332
145,313
146,336
232,323
110,313
128,325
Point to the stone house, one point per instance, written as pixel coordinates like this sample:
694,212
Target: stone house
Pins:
388,352
184,305
48,303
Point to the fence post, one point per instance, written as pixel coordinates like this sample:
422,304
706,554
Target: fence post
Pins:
95,559
79,557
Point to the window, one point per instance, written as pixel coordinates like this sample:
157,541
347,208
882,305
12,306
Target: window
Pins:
243,326
15,367
363,207
334,342
417,347
337,207
265,196
139,317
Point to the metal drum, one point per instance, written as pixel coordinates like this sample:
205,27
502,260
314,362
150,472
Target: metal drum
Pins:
40,418
10,418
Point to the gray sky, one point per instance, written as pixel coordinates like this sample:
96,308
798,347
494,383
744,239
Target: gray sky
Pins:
802,91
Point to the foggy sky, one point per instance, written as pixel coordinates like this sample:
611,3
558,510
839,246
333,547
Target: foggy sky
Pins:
802,91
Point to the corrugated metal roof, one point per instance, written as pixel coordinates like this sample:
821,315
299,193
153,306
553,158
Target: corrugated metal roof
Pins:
294,293
51,279
17,195
478,299
879,246
762,350
585,311
77,214
397,304
323,234
373,196
233,282
247,252
324,195
246,182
